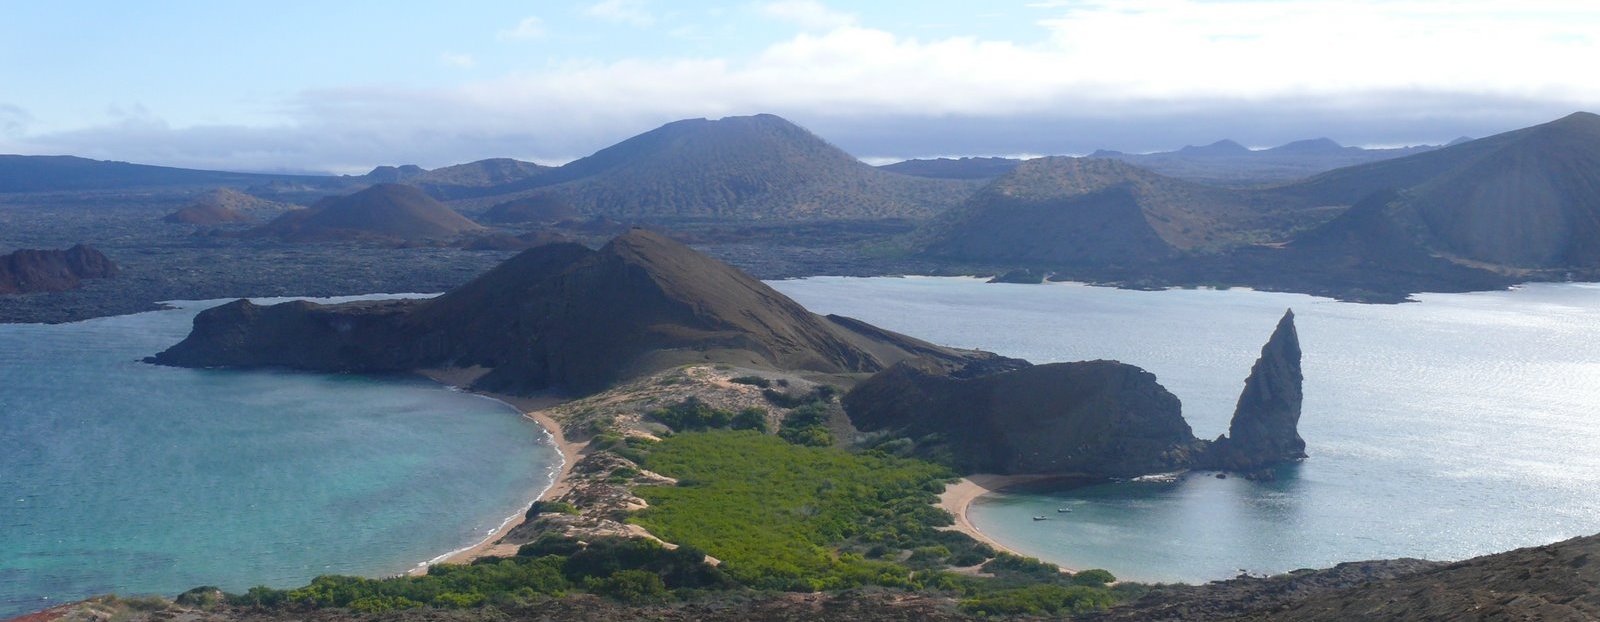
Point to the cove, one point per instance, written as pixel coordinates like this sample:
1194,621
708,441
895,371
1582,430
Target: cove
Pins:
1456,426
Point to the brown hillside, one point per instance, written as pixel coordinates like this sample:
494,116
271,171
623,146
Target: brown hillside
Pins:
1083,210
223,206
561,316
1526,199
759,167
389,211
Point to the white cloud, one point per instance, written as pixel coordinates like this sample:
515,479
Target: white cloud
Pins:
454,59
808,14
530,27
632,12
1225,67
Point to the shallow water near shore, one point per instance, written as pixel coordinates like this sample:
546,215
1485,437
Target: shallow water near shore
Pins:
1461,425
119,476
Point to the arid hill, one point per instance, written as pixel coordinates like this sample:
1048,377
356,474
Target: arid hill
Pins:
559,316
1064,211
458,181
1523,199
759,167
224,206
26,271
1223,163
955,168
538,208
384,211
20,173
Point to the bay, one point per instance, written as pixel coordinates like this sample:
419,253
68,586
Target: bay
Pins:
120,476
1460,425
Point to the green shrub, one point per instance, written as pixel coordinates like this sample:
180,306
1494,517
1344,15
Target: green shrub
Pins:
692,414
203,597
630,586
1006,563
778,514
754,381
750,419
1094,577
1041,599
549,507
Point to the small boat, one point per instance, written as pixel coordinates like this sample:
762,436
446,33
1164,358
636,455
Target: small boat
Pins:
1063,510
1041,518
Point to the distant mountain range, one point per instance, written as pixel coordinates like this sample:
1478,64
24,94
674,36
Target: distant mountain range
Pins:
1478,214
760,167
1224,162
1089,211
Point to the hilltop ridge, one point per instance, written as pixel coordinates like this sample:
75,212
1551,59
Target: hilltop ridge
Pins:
559,316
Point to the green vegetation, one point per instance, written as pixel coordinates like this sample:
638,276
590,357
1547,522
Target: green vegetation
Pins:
780,515
1040,599
750,419
549,507
754,381
692,414
784,516
631,570
807,425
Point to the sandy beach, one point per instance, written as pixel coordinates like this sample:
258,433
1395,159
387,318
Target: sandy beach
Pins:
532,408
959,496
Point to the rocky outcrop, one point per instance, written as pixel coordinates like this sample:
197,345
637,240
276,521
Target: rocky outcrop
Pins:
1095,417
28,270
559,316
1098,417
1265,427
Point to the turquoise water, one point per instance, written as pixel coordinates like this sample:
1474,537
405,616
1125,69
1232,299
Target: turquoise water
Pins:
118,476
1461,425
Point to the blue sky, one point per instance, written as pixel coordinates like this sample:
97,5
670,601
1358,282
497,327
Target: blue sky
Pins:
345,86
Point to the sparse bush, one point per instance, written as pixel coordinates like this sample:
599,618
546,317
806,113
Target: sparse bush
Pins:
692,414
751,418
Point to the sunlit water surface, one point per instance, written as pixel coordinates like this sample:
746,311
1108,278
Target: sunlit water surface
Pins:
1461,425
119,476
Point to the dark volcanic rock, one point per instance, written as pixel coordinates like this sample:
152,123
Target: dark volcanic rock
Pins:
1265,423
1098,417
559,316
1095,417
30,270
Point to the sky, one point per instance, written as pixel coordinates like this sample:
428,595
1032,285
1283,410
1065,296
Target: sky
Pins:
345,86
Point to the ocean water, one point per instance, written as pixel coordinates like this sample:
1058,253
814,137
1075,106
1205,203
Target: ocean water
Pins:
118,476
1460,425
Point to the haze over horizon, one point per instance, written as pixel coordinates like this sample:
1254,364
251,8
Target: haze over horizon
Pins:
308,87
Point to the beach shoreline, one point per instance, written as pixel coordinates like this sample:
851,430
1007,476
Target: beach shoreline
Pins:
958,497
533,409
